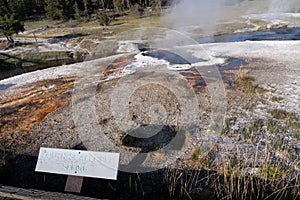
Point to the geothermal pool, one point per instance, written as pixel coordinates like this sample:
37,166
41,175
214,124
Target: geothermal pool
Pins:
268,35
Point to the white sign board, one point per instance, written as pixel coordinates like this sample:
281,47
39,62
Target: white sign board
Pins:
78,163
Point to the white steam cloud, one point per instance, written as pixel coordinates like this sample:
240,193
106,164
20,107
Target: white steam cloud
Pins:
198,12
282,5
208,13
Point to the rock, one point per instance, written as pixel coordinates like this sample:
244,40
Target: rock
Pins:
278,24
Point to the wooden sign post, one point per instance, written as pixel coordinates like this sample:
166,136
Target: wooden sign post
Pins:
74,184
78,164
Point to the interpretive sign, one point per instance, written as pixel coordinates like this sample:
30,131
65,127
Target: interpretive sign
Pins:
78,163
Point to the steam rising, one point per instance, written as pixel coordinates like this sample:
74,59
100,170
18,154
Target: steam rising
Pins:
282,5
207,14
198,12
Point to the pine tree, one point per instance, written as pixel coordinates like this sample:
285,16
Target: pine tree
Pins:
9,26
18,8
59,9
3,8
104,19
67,8
77,11
118,5
53,9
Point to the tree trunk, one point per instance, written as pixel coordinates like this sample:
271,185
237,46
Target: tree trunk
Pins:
158,4
85,3
10,39
116,6
103,5
128,4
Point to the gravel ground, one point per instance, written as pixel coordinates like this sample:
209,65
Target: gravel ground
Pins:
276,69
96,108
280,71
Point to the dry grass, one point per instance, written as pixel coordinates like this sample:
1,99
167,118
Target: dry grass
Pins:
90,29
269,170
261,23
245,83
276,99
260,178
200,157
